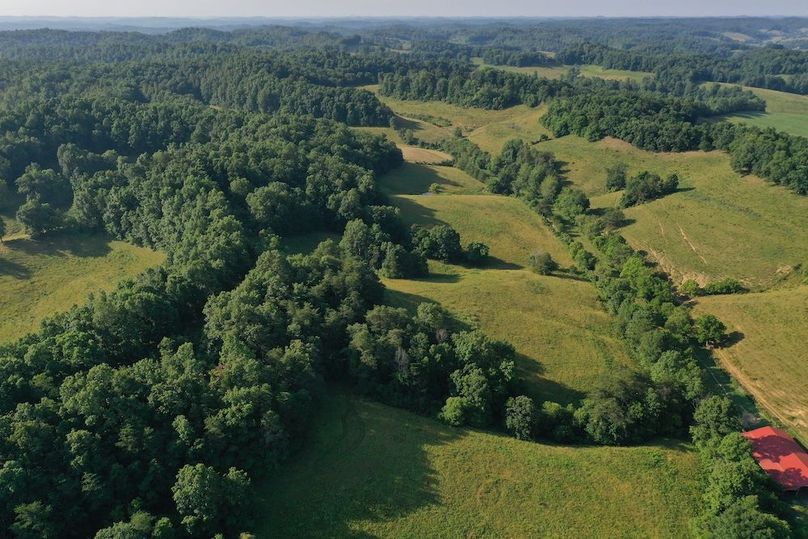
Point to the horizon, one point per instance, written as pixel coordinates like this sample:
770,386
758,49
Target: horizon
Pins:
388,9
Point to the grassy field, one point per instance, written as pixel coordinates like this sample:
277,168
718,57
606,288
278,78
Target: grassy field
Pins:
560,331
718,225
416,178
43,277
768,358
414,154
490,129
592,71
373,471
784,111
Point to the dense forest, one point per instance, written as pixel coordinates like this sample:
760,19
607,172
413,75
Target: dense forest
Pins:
151,410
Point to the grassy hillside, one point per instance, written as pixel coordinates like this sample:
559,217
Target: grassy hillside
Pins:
556,72
768,358
784,111
718,225
43,277
416,178
373,471
490,129
556,323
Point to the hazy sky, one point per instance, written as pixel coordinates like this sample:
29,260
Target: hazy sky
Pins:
346,8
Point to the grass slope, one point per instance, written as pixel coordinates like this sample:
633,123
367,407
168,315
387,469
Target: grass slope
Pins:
43,277
768,358
784,111
718,225
556,323
588,70
490,129
369,470
417,178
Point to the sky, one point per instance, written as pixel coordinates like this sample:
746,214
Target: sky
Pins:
377,8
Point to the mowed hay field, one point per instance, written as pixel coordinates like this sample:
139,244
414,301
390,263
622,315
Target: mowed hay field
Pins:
369,470
718,225
47,276
784,111
768,357
560,331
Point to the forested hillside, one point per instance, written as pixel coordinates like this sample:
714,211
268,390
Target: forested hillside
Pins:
158,408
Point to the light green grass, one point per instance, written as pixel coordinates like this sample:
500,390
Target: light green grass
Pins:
560,331
718,225
490,129
784,111
768,357
588,70
369,470
47,276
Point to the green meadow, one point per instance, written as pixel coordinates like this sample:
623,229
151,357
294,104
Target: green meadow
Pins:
39,278
768,352
784,111
368,470
587,70
561,333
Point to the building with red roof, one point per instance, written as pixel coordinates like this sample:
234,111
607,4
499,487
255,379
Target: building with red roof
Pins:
780,456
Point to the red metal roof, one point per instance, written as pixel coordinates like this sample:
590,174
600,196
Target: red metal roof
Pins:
782,457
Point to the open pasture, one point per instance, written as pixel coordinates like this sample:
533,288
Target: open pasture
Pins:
560,331
368,470
768,352
43,277
719,224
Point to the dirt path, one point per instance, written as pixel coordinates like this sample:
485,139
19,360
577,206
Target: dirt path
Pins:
693,247
759,395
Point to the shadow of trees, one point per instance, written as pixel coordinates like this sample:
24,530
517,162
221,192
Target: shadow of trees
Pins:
362,462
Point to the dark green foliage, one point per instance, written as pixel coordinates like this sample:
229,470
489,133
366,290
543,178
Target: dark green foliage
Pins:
714,418
627,408
542,263
710,330
441,242
485,88
520,417
40,217
516,57
583,259
724,286
743,519
399,263
418,363
210,502
476,253
646,186
570,204
44,185
616,177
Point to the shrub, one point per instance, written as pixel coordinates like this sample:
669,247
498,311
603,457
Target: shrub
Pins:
690,288
646,186
441,242
710,330
725,286
454,411
476,252
616,177
542,263
520,417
